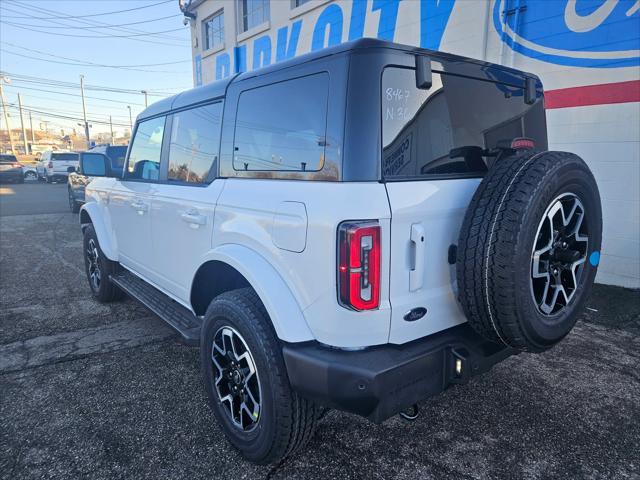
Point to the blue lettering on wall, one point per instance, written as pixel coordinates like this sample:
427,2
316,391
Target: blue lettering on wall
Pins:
434,16
223,66
262,52
388,17
240,59
287,49
331,18
358,16
198,68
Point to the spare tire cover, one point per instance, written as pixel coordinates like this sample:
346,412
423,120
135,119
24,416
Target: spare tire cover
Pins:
529,249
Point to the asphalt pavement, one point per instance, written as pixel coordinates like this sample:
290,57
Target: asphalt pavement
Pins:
108,391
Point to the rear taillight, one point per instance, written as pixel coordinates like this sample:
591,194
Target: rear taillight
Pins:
50,165
16,165
522,143
359,265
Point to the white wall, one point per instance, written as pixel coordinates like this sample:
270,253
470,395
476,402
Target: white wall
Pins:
566,48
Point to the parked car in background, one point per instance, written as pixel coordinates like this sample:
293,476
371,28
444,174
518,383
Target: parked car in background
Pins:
10,169
55,165
78,180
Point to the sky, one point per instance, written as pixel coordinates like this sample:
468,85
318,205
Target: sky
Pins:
35,34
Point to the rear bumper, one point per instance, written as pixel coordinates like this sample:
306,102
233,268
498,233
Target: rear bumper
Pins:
381,381
11,175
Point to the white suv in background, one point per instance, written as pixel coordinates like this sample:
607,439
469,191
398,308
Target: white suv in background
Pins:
55,165
357,228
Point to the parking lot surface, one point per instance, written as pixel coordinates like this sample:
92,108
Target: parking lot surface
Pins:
108,391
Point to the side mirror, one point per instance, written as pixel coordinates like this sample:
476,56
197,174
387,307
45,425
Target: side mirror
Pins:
94,165
423,72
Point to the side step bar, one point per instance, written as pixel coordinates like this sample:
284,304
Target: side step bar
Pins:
177,316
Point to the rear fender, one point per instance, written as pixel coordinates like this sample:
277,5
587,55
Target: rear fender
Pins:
90,213
280,303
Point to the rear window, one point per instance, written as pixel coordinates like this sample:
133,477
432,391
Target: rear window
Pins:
8,159
64,157
423,130
282,127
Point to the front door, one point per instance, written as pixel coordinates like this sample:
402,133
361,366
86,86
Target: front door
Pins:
183,207
131,198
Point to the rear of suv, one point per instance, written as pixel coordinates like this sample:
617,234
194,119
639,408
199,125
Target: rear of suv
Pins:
55,165
358,228
10,169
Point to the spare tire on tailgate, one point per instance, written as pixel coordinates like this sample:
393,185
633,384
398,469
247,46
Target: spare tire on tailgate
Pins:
529,248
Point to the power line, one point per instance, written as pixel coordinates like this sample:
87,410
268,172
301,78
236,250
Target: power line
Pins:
96,64
21,87
106,26
16,25
100,14
76,64
94,24
66,117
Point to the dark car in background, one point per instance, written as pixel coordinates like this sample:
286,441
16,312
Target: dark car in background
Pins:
102,159
10,169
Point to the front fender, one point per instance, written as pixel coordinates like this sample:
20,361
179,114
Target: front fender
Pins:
286,315
96,217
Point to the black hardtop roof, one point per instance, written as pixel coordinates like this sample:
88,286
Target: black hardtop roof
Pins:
218,88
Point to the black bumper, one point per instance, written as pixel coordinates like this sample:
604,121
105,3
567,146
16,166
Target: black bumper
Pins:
381,381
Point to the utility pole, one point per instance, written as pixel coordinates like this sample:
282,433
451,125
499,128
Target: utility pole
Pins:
84,113
130,120
145,98
111,129
6,117
24,131
33,135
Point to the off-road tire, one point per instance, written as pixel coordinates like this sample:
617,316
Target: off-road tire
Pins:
106,291
287,421
496,243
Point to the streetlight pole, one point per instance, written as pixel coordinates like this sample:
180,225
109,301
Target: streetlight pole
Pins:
145,98
33,135
24,131
111,129
130,120
6,116
84,113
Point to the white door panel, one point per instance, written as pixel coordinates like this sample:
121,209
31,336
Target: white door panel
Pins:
182,229
425,220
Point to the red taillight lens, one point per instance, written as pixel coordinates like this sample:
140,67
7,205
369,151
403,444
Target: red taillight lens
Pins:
359,265
522,143
50,165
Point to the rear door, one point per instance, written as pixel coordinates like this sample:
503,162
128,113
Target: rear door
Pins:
429,184
183,206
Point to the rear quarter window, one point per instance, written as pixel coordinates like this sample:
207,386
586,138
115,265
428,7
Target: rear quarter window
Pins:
64,157
282,126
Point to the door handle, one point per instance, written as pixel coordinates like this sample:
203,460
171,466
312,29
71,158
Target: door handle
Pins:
140,207
194,218
416,274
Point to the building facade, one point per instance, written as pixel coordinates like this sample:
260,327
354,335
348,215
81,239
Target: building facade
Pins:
587,53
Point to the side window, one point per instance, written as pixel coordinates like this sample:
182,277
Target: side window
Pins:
282,127
144,159
195,139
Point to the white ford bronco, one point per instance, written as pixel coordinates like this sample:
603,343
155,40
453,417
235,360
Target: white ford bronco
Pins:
357,228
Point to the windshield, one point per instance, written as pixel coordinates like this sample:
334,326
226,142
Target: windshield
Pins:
451,128
64,157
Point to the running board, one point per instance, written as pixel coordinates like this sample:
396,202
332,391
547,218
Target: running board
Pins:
177,316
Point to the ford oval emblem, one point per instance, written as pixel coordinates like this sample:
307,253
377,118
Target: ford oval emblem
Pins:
581,33
415,314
